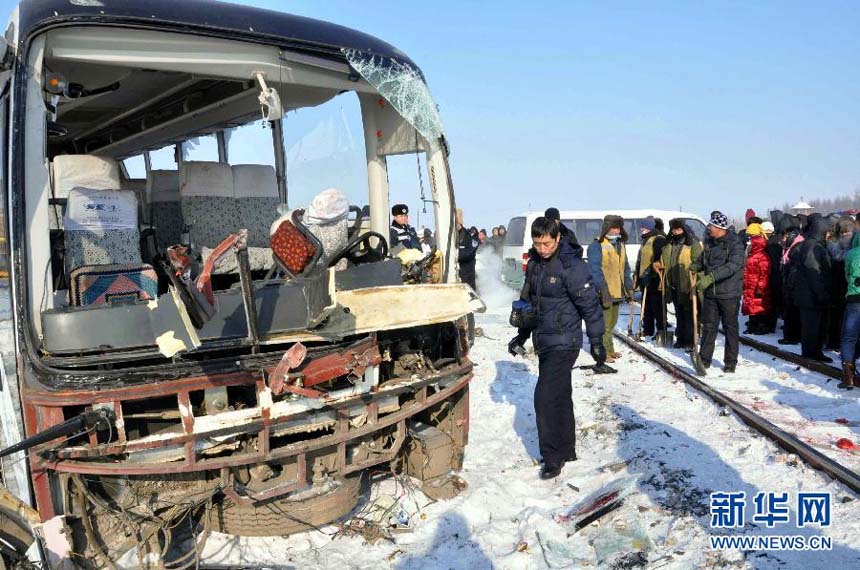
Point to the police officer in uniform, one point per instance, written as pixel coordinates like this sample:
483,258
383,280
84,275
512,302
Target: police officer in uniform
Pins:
401,233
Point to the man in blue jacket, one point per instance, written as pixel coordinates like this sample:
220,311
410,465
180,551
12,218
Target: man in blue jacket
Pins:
558,285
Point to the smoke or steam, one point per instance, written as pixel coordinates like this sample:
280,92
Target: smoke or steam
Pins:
491,288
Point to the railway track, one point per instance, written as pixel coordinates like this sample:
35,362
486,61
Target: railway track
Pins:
813,365
784,439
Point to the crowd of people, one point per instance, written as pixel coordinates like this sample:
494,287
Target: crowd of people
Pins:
801,269
791,267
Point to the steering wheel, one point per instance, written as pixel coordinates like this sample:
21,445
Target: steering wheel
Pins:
352,252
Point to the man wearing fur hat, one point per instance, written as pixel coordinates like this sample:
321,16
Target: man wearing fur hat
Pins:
610,272
720,280
681,251
649,271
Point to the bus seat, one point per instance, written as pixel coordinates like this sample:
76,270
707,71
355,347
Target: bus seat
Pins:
165,210
255,189
102,240
211,211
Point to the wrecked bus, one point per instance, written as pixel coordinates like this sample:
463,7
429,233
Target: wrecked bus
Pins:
187,337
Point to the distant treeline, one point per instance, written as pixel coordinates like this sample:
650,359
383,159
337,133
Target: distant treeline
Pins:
822,205
829,205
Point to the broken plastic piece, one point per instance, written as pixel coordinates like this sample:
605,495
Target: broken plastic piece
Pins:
169,345
620,539
601,502
234,242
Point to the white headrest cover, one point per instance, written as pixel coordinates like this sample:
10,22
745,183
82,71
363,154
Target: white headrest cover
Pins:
163,186
90,209
327,207
85,171
206,179
254,181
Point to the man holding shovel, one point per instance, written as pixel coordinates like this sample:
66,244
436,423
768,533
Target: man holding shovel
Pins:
720,281
682,250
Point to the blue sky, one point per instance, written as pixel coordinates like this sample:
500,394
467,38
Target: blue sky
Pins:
705,105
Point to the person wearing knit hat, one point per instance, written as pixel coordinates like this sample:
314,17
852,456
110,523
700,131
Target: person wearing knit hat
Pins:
647,276
719,220
680,252
720,281
610,273
767,228
758,298
750,218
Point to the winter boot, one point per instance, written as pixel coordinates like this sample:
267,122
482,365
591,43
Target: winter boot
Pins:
847,376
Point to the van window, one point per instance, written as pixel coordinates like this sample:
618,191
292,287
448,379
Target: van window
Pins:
632,229
571,225
516,232
697,226
588,230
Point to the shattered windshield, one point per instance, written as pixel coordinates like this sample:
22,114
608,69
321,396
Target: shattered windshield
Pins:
403,86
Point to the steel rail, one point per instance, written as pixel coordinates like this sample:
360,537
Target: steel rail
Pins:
813,365
782,438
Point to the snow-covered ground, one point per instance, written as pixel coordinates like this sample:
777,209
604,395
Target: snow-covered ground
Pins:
639,422
798,400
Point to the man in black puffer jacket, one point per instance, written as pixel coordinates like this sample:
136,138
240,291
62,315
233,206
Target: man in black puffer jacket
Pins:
813,286
789,229
558,285
721,281
774,253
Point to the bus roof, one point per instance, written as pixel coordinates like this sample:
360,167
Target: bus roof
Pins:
209,18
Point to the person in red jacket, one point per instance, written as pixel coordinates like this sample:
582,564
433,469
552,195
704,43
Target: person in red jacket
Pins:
757,300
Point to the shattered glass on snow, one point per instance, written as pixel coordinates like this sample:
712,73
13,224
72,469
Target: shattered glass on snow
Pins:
403,87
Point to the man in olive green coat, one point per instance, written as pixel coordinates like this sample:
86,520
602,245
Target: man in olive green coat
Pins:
681,250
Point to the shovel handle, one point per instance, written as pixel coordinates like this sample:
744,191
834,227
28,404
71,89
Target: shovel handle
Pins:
694,296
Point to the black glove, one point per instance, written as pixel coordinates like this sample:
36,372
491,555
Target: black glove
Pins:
605,297
515,347
598,351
